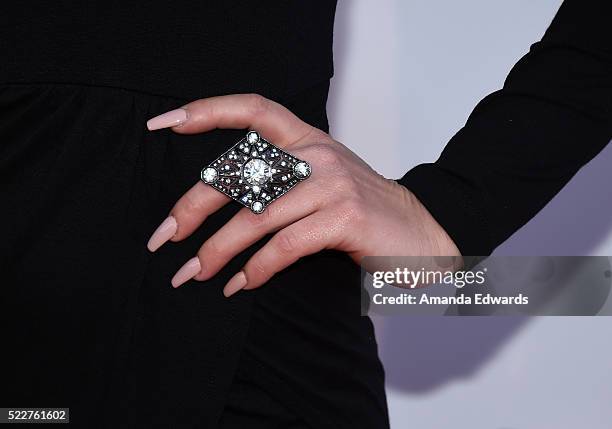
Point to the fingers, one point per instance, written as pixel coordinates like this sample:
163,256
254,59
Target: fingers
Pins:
282,128
270,119
192,209
188,214
246,228
305,237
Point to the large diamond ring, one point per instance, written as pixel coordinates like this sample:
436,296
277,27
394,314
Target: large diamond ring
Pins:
254,172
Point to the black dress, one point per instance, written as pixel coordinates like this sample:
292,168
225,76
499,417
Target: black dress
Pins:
90,321
523,143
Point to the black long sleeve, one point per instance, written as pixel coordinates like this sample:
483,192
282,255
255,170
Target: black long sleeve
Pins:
523,143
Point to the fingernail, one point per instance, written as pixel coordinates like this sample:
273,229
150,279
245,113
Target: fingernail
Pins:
186,272
169,119
235,284
163,233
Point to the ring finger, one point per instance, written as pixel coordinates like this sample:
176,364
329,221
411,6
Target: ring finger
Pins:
246,228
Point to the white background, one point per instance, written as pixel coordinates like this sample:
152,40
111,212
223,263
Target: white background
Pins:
408,73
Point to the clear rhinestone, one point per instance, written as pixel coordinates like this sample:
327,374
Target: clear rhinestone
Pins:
301,170
209,175
252,137
245,172
257,207
256,171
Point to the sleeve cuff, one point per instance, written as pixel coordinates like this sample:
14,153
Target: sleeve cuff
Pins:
446,197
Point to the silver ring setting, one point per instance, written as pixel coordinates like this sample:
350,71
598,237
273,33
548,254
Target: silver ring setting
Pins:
254,172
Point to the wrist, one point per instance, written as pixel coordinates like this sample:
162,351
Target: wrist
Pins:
435,241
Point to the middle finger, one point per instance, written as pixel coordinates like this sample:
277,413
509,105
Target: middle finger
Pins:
246,228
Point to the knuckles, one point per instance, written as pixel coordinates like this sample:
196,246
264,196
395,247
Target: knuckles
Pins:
286,242
338,183
209,249
345,185
256,270
325,155
190,205
187,208
257,104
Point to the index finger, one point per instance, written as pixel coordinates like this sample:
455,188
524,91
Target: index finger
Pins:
272,120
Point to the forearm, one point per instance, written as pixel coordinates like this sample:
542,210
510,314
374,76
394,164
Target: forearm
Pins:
522,144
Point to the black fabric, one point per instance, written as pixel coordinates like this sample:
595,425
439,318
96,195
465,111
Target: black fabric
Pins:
188,49
523,143
249,406
89,320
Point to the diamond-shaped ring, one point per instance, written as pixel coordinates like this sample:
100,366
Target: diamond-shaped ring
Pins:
254,172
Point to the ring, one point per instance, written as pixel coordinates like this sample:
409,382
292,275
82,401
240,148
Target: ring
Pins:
254,172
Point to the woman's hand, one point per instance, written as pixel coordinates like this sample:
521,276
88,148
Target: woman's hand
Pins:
344,205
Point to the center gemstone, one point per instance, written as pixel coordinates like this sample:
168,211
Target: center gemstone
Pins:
256,171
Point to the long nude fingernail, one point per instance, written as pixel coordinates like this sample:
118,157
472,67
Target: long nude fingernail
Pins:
236,283
169,119
188,271
163,233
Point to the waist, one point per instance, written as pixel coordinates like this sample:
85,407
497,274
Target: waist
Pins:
188,51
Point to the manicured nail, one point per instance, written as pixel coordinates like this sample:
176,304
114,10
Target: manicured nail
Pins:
186,272
235,284
163,233
169,119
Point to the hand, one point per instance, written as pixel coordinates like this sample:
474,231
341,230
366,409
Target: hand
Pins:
343,205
